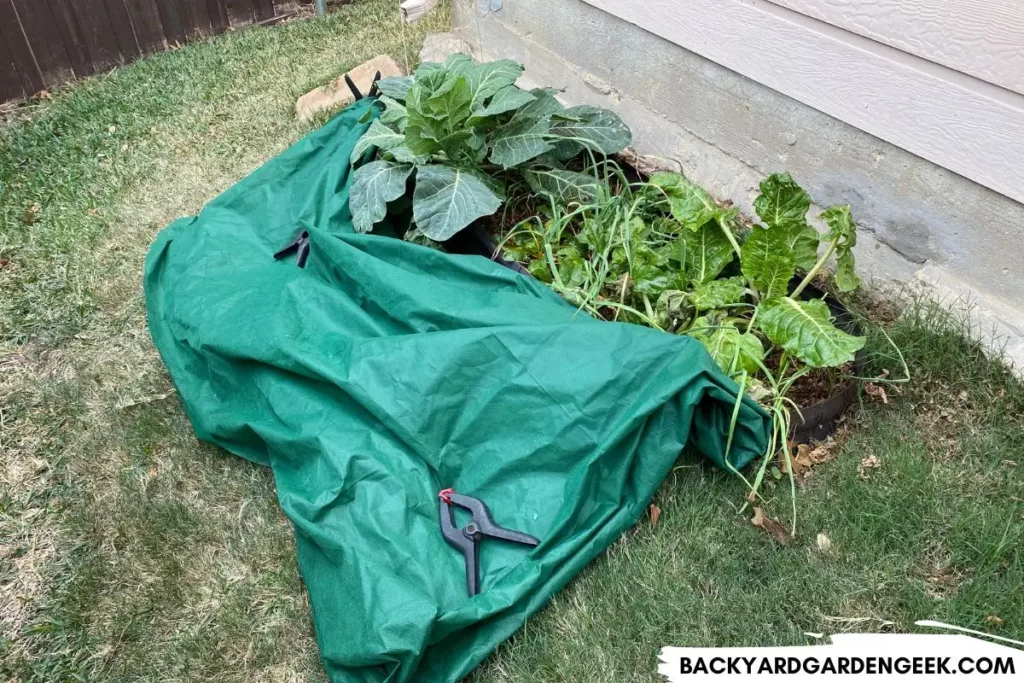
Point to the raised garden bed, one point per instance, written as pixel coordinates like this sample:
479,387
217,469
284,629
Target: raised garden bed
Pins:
460,142
822,401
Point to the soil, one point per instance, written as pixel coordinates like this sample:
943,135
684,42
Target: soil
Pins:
817,385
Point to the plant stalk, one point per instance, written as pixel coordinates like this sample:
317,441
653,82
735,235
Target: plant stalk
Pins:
817,266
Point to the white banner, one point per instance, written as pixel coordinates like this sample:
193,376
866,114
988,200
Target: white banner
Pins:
853,657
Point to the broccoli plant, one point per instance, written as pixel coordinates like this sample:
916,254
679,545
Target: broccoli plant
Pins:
463,131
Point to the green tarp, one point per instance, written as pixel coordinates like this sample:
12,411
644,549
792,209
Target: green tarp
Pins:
384,372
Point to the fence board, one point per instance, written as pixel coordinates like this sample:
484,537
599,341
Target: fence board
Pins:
264,9
199,17
38,21
10,83
218,15
124,34
149,31
174,30
45,42
97,33
240,12
71,37
21,54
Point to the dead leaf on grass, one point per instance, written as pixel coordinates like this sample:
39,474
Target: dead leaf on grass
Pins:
876,391
869,463
655,514
143,401
31,215
806,457
993,620
824,543
772,526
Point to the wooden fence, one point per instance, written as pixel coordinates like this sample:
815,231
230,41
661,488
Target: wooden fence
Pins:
47,42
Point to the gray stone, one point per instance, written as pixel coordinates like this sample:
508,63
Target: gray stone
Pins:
337,94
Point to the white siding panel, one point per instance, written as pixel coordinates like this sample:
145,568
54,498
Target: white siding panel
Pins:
981,38
967,126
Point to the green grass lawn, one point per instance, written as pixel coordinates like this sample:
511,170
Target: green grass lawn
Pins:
130,551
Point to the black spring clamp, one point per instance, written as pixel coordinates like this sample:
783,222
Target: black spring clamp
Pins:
299,247
467,538
374,90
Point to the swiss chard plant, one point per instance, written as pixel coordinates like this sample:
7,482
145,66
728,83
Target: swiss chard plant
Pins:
463,131
663,253
732,315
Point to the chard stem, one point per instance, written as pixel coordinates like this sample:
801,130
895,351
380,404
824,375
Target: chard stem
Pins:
817,266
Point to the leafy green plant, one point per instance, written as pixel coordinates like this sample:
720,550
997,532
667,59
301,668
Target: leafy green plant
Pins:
463,132
663,253
669,256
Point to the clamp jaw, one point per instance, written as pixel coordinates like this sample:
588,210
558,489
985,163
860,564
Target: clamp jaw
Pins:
299,247
467,538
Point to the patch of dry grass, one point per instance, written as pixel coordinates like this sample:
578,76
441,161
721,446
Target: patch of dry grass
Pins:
129,550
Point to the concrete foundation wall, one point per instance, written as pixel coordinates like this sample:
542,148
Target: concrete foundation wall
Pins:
920,222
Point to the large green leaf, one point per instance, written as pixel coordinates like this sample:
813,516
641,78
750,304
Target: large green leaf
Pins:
423,134
404,155
487,79
394,114
782,202
734,351
690,203
844,231
543,106
505,100
447,199
373,186
452,106
768,262
395,87
805,329
593,127
718,293
783,205
519,141
703,253
803,241
562,186
377,135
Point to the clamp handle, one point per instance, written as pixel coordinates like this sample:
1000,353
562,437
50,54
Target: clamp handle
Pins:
467,538
299,247
465,543
485,523
356,93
